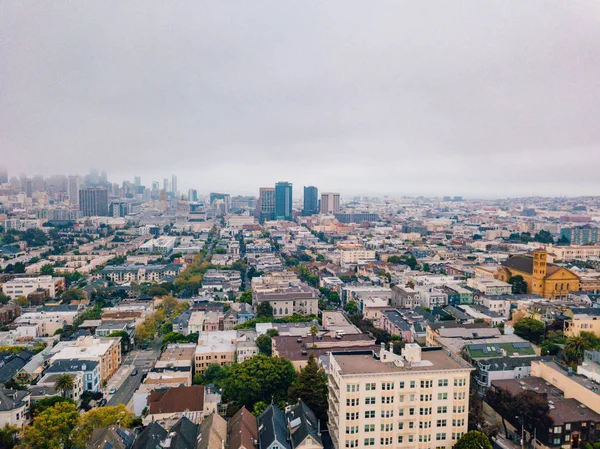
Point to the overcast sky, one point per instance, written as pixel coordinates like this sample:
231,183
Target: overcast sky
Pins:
475,98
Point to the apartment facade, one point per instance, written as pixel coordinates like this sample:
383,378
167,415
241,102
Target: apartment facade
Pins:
25,286
417,400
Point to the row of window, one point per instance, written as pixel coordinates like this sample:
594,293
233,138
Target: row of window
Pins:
388,427
353,388
424,411
390,399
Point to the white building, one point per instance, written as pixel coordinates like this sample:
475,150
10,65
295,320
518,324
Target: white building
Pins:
24,286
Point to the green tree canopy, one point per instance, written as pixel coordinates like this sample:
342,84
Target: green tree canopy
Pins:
51,429
351,307
47,270
473,440
265,344
100,417
530,329
213,374
259,378
519,286
311,387
64,384
264,310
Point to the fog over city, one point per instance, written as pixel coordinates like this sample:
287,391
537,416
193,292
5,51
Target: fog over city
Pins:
466,98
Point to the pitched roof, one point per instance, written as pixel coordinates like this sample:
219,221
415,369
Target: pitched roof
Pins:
272,428
113,437
183,434
243,430
150,437
525,264
302,424
174,400
213,432
11,399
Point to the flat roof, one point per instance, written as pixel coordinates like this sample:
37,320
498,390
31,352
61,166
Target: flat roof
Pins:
367,364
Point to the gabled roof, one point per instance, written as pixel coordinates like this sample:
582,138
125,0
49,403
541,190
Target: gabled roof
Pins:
113,437
242,430
174,400
150,437
183,434
213,432
302,424
12,399
272,428
525,264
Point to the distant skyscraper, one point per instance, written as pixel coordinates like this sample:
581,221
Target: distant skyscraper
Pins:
137,181
103,178
266,204
93,202
73,189
283,201
192,195
330,203
165,184
174,185
155,185
3,175
311,200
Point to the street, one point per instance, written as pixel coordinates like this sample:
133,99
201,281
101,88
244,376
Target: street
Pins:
142,360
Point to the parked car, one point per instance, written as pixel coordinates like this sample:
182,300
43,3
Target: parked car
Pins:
113,390
134,372
102,402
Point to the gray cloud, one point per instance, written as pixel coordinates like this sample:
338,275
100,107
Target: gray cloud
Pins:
473,98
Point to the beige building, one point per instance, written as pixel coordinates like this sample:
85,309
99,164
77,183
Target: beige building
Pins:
330,203
354,252
574,252
105,351
24,286
217,347
582,322
417,400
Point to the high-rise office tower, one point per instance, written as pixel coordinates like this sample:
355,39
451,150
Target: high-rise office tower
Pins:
93,202
192,195
165,184
103,178
330,203
311,200
266,204
174,185
3,175
155,186
137,181
283,200
73,189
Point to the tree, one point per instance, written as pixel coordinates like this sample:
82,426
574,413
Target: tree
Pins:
530,329
73,294
64,383
264,310
52,428
157,290
47,270
101,417
501,401
311,387
168,304
4,299
519,286
563,241
8,435
38,407
544,237
533,410
259,378
574,349
22,301
314,330
246,297
265,344
473,439
426,267
213,374
351,307
125,340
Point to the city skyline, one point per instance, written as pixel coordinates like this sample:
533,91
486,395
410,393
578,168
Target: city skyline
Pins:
354,99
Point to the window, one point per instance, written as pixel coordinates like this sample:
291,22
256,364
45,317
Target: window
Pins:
443,383
412,384
351,443
441,423
400,439
351,430
426,383
370,428
387,427
442,396
411,438
370,400
352,388
425,397
387,399
556,441
370,387
557,429
460,382
425,411
424,438
411,411
411,425
568,426
401,384
387,385
400,426
352,402
401,398
387,413
401,412
386,441
352,416
440,436
443,409
370,414
424,424
369,441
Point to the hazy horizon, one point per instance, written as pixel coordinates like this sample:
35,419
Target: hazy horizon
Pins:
481,100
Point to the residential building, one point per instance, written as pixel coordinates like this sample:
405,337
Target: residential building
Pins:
352,253
121,274
303,427
418,399
242,430
272,429
356,217
93,202
330,203
161,245
287,301
14,407
24,286
112,437
283,201
311,201
574,252
215,348
489,286
213,432
590,367
587,320
542,278
581,235
88,369
175,403
105,351
46,387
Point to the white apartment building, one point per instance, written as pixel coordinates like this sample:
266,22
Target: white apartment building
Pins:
417,400
24,286
490,286
162,245
574,252
354,252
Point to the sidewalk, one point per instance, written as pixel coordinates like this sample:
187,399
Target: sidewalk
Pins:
117,379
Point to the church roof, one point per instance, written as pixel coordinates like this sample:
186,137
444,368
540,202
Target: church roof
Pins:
525,265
